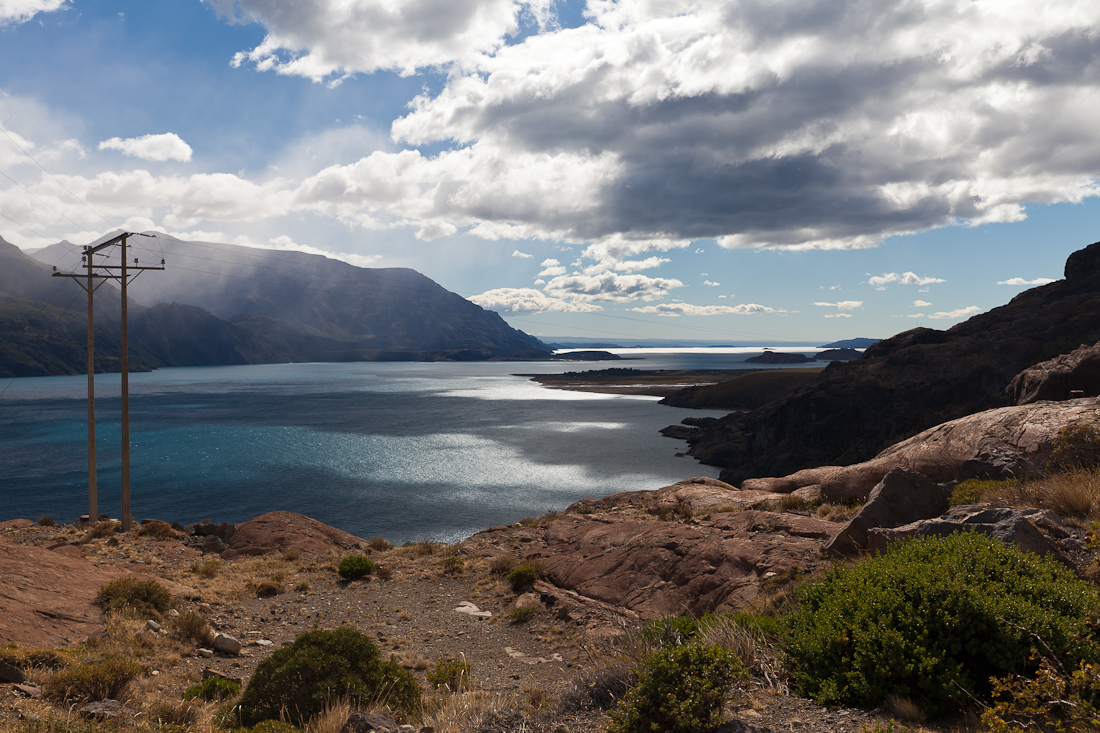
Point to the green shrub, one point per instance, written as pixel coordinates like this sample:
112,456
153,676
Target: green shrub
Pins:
321,667
355,566
450,673
522,578
523,615
452,565
971,490
1076,446
145,597
269,589
678,690
933,620
100,680
212,689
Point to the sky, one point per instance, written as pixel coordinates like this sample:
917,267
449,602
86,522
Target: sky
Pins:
778,170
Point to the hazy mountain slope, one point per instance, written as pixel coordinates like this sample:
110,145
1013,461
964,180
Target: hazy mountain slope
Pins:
363,308
906,383
44,328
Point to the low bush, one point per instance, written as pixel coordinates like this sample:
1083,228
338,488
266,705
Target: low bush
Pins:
452,565
32,658
1075,447
101,680
355,566
106,528
972,490
321,667
678,690
523,615
46,521
144,597
192,626
933,620
452,674
1054,700
212,689
502,565
522,578
157,529
268,589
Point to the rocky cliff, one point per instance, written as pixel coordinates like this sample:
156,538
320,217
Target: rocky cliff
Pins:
905,384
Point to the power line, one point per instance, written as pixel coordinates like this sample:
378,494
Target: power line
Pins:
51,175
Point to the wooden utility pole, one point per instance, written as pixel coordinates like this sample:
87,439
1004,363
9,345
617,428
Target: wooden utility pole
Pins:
123,277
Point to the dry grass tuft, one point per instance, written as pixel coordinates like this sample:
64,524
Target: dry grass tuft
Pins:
332,719
157,529
905,709
379,544
1071,494
502,565
46,521
471,711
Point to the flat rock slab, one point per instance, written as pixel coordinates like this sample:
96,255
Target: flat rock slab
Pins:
46,597
656,568
281,532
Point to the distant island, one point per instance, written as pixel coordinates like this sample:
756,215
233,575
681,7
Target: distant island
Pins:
772,357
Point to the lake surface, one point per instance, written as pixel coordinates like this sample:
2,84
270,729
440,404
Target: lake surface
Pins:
405,451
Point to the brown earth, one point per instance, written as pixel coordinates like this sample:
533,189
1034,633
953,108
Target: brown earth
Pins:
412,615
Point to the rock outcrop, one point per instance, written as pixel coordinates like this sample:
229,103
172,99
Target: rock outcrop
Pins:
900,498
615,552
46,597
906,384
772,357
1059,378
1000,443
286,532
1034,530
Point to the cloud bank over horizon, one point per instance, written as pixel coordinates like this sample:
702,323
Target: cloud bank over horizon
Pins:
607,140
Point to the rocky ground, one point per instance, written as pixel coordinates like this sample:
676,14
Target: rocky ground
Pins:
537,674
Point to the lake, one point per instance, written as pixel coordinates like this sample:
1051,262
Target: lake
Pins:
405,451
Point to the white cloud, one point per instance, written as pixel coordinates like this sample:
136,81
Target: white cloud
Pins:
321,39
523,255
957,313
550,268
526,301
879,282
610,286
1021,281
844,305
711,284
837,315
921,304
13,12
673,310
635,265
168,146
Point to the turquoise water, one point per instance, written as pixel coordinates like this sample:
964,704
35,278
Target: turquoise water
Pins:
405,451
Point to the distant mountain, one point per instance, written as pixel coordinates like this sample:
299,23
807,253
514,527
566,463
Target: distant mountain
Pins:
354,311
858,343
333,312
905,384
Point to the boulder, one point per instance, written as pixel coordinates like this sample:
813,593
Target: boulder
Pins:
1034,530
227,644
900,498
1003,443
11,675
529,600
281,532
106,710
1055,379
369,723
